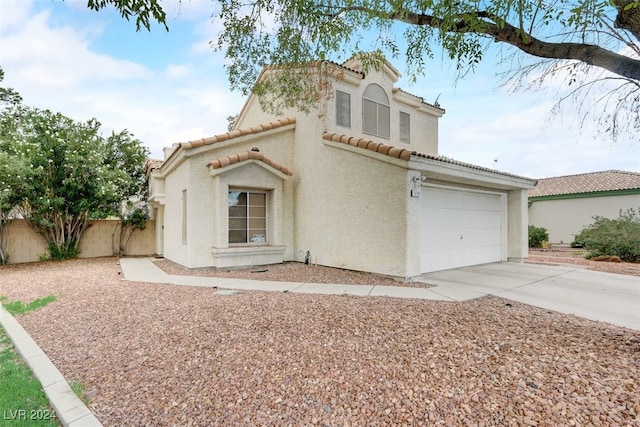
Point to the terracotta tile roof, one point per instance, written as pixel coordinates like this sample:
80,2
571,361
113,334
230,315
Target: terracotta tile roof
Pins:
151,164
444,159
400,153
404,154
237,133
610,180
248,155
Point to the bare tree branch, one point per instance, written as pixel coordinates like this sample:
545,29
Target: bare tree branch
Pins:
490,25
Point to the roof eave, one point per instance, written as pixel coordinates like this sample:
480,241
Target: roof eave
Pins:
605,193
462,173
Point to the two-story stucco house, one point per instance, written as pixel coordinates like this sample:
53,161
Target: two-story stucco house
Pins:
355,184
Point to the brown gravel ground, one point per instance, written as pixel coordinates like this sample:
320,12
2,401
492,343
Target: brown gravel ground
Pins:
576,257
292,271
162,355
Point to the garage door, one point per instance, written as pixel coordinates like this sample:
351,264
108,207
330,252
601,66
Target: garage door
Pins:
460,228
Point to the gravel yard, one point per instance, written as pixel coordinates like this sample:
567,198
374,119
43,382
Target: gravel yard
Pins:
167,355
576,257
292,272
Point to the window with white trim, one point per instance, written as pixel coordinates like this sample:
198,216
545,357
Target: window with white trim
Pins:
405,127
247,216
343,109
376,113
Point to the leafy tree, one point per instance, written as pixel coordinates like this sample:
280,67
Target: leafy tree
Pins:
60,173
133,216
8,96
9,169
589,43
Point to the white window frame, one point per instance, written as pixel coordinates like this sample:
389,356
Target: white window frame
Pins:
375,97
343,118
248,241
405,129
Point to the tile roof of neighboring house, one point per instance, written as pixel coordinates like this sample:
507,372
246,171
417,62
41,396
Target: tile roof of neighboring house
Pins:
237,133
248,155
402,153
610,180
152,164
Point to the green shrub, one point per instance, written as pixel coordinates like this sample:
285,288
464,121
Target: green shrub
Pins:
537,235
615,237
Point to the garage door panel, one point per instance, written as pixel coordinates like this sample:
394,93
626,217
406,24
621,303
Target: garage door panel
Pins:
452,218
442,199
460,228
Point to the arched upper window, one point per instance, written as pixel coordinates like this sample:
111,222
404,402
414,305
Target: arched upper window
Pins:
376,114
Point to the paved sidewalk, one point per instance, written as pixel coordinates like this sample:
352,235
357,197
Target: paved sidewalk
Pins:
607,297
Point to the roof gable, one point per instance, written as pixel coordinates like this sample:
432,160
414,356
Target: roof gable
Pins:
611,180
237,133
355,63
225,161
180,149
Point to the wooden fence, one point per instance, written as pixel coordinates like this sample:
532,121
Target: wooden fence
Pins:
24,245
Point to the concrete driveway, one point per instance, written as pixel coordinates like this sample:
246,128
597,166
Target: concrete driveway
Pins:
606,297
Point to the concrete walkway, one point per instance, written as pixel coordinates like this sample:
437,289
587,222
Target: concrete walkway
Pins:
144,270
612,298
68,408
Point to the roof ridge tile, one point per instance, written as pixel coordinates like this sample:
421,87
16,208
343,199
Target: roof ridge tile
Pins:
245,156
274,124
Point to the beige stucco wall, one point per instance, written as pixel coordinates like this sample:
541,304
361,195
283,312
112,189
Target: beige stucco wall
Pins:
207,195
564,218
278,188
350,209
423,121
24,245
175,183
423,118
517,239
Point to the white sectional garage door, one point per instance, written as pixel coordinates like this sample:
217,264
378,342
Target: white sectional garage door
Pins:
460,228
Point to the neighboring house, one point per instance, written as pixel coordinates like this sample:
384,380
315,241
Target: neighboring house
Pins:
355,184
564,205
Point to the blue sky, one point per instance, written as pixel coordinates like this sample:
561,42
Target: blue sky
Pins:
171,87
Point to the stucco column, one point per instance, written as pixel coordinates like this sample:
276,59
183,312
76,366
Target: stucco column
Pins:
518,220
159,217
412,255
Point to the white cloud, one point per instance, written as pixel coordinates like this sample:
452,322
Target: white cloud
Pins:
54,63
526,140
178,71
55,66
50,57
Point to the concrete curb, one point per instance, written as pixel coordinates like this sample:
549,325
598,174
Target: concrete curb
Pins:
69,409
